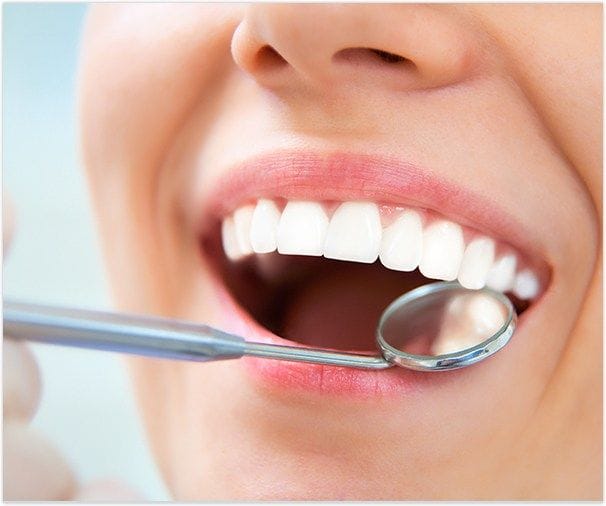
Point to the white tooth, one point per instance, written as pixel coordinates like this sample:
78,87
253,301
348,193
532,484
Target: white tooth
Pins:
476,263
468,320
228,236
402,242
302,229
526,285
242,221
354,233
264,226
442,250
502,273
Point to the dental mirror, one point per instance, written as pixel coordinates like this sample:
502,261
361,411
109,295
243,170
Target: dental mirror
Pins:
445,326
435,327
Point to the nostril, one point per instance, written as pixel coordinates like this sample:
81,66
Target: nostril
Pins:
389,57
268,58
365,55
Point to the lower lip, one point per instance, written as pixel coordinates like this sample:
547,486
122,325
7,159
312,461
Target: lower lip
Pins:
287,376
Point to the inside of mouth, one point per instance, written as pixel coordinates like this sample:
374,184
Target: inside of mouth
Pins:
316,301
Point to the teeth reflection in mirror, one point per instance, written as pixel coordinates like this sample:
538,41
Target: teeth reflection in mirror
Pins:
442,250
476,263
354,233
502,273
228,237
242,222
526,285
264,226
402,242
302,229
469,319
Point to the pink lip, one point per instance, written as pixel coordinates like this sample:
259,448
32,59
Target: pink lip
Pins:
340,177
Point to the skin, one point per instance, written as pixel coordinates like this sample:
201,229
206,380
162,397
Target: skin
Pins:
504,100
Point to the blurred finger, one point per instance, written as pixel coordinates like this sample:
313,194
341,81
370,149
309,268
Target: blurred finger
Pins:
108,491
33,469
21,380
8,222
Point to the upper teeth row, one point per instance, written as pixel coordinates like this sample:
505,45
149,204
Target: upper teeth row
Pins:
355,233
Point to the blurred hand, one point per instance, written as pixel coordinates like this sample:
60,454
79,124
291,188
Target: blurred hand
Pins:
34,470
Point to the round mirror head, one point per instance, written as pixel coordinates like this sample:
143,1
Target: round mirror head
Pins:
445,326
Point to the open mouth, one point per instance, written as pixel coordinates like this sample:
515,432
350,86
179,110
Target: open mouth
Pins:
319,272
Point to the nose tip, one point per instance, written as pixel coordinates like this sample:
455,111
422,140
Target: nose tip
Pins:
407,47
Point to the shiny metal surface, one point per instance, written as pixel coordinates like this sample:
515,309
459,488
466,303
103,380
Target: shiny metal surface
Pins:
155,337
174,339
448,361
315,356
139,335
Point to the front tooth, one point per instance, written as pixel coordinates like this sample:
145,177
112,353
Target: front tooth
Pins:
526,285
242,222
442,250
264,226
354,233
228,236
302,229
402,242
502,273
476,263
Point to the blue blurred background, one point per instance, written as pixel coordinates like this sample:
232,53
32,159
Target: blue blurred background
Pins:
87,407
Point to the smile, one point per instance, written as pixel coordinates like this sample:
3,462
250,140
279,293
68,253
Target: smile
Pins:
298,264
358,231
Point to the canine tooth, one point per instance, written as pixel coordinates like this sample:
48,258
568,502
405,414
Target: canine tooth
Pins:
402,242
442,250
526,285
242,221
264,226
302,229
476,263
228,237
502,273
354,233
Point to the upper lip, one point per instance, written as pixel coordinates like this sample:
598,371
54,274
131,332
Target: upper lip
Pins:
339,176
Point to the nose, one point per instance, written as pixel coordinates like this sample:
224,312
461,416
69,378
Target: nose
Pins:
407,47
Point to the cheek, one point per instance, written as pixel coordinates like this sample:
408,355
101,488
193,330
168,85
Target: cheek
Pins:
144,70
557,56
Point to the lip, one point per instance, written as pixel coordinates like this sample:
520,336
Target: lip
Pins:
339,176
387,180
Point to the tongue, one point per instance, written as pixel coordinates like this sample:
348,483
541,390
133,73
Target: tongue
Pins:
340,307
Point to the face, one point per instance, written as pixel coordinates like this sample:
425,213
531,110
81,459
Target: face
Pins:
377,148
